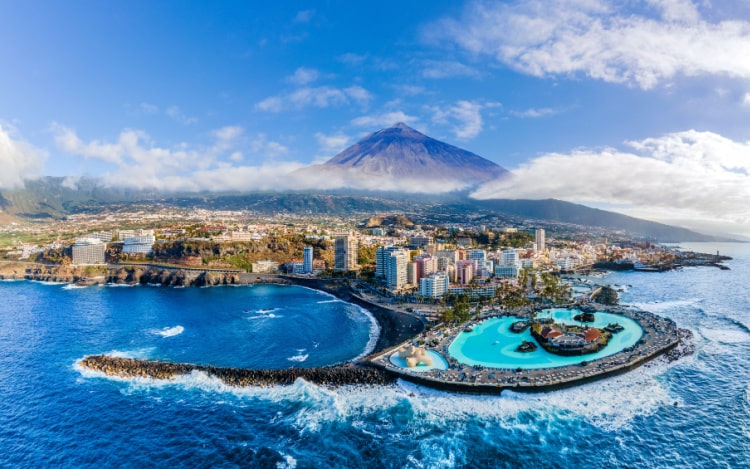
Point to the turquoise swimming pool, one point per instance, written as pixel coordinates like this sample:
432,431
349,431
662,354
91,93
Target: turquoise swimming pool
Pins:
493,345
438,362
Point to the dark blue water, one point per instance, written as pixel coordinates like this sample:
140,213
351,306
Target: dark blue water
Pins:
52,413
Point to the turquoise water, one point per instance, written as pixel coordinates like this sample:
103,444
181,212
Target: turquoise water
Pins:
493,345
438,362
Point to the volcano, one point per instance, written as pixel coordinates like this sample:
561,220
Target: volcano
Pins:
404,154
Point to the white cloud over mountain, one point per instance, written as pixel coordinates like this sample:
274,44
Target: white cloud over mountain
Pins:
602,39
687,175
19,160
137,161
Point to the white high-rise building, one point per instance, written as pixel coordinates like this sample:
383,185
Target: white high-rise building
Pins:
139,244
88,251
540,240
396,271
307,260
345,253
478,254
510,257
434,286
382,255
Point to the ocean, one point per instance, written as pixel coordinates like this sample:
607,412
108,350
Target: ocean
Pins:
691,413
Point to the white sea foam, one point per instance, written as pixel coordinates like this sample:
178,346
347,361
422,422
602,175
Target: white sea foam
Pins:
374,333
330,301
44,282
610,404
265,316
298,358
118,285
262,311
288,462
170,331
10,280
726,335
663,306
72,286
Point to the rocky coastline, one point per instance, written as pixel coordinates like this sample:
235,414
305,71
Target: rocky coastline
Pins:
397,327
332,376
120,275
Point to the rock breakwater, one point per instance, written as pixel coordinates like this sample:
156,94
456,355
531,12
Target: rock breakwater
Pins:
684,347
332,376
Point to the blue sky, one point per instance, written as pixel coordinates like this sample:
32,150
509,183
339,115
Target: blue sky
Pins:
639,106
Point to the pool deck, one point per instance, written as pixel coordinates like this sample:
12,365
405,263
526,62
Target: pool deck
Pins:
659,336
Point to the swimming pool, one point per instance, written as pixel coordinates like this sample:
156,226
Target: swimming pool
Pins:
493,345
438,362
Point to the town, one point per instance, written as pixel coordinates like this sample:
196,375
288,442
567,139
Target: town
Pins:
390,255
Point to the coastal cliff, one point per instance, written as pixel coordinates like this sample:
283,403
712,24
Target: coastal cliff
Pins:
130,275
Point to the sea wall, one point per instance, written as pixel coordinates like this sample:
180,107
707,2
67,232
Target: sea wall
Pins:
325,376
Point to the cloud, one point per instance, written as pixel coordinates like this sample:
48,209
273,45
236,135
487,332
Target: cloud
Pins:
410,90
447,69
699,176
350,58
303,76
137,161
175,113
19,160
465,117
535,113
71,182
385,119
267,148
746,100
228,133
600,39
303,16
332,144
148,108
319,97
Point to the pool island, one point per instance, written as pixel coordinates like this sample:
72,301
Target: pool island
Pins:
496,351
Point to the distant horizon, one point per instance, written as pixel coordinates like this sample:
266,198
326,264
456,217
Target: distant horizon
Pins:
640,108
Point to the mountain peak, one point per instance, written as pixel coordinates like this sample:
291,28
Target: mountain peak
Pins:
400,152
400,125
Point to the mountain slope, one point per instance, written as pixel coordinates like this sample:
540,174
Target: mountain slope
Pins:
49,197
401,159
567,212
401,151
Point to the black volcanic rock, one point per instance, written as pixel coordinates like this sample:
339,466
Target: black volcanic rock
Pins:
403,154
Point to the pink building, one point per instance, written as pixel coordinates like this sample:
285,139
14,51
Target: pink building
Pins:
426,266
465,271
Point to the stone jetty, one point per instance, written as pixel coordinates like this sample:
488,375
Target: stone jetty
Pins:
332,376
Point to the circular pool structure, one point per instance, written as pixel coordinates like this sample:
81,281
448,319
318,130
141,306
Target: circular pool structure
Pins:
492,344
438,362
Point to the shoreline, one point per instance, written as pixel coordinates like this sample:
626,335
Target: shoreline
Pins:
660,337
397,328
